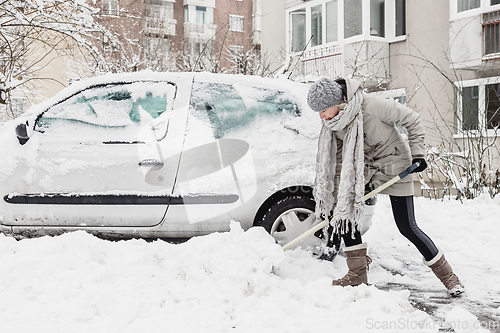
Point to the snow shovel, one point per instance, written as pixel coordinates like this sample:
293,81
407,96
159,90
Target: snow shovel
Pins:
379,189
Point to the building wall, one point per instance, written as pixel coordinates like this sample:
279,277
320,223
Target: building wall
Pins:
273,33
53,68
177,40
420,65
227,40
128,25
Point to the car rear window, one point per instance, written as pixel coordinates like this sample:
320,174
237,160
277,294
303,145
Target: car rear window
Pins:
233,106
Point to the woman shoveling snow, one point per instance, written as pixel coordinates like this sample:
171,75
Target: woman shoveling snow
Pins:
360,147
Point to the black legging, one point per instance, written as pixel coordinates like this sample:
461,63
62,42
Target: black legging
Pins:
404,215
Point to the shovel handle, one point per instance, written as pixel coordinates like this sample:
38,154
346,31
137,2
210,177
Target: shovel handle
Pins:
402,175
382,187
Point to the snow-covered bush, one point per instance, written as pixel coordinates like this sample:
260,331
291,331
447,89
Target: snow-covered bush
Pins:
463,173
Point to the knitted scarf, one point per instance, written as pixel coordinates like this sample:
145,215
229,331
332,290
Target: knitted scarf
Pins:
349,205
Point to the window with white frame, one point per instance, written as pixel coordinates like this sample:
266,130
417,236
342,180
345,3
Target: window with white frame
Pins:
316,25
331,21
110,7
236,23
479,105
469,8
400,18
298,29
491,32
159,9
353,18
492,110
201,13
377,18
463,5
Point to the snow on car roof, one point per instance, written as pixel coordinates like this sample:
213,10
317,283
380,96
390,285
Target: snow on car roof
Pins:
300,89
78,86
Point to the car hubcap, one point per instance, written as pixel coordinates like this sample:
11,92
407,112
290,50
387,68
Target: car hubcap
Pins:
293,223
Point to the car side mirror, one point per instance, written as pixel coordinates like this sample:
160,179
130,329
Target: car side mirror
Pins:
22,133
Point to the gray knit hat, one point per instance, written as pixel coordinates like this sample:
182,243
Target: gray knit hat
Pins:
324,94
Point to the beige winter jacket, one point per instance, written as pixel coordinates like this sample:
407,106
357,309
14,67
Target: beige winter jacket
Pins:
387,152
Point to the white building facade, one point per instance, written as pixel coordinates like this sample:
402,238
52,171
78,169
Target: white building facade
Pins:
441,58
345,37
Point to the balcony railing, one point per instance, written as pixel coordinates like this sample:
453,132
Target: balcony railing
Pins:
199,30
160,26
326,61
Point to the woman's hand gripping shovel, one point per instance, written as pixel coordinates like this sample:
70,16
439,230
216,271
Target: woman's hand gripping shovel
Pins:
323,224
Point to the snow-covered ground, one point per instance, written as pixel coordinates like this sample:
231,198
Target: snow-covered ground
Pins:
243,282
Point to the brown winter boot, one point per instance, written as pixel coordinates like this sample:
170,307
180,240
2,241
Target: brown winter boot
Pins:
357,262
443,271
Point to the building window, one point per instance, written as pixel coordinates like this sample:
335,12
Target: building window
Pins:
236,23
186,13
298,22
470,108
491,35
495,2
400,18
377,18
480,105
110,7
353,18
237,49
313,25
201,13
493,106
331,21
156,45
316,25
463,5
159,10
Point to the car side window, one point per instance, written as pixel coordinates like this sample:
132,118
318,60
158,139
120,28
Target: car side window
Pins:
111,106
233,106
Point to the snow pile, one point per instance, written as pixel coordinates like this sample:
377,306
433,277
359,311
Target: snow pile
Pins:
236,281
463,321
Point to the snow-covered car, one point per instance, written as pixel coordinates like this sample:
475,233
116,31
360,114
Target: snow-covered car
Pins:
161,155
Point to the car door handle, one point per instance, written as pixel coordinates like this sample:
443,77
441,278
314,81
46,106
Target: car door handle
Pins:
150,162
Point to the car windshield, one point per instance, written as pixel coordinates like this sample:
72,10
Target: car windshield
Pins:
231,106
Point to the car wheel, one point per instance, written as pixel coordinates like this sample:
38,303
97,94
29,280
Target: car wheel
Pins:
289,218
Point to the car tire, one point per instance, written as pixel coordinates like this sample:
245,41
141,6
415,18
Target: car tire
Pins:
289,218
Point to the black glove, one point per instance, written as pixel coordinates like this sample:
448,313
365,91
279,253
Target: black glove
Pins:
421,167
369,187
